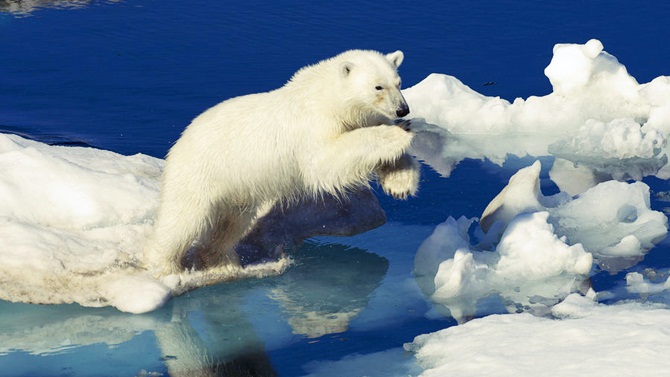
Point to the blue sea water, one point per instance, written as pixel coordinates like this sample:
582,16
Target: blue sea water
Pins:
128,76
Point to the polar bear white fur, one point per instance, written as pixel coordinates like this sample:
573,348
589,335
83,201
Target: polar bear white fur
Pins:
328,130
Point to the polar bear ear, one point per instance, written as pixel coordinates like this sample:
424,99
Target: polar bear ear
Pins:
345,68
395,58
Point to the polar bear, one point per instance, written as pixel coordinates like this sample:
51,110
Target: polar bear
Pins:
328,130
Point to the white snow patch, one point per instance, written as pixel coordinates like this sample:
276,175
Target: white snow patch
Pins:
535,250
72,225
586,339
597,116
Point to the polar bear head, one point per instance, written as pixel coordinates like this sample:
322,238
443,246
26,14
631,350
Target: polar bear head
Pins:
370,85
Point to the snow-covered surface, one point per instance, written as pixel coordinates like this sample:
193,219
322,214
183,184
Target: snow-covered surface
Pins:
588,84
543,247
72,224
597,115
585,339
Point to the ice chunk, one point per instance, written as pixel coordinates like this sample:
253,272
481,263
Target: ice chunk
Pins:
521,195
657,93
546,249
576,306
443,244
73,217
649,284
445,101
572,66
582,70
61,186
529,262
596,115
612,220
588,84
136,294
530,250
515,344
620,148
620,139
574,179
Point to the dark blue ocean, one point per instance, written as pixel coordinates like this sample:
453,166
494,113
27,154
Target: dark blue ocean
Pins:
129,75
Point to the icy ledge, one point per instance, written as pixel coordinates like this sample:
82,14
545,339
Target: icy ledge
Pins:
588,84
534,250
624,339
597,116
73,223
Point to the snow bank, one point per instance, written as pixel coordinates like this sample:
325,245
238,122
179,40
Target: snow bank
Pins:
588,83
72,224
612,219
542,247
530,269
587,339
620,138
72,221
597,115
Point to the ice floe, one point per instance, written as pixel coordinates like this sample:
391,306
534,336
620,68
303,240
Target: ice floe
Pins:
532,251
584,339
597,116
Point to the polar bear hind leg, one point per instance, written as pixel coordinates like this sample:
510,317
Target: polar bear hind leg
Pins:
176,228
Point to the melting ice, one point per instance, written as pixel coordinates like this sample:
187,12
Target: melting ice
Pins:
532,253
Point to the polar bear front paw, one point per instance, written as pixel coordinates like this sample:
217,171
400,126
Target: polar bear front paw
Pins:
405,124
400,179
396,139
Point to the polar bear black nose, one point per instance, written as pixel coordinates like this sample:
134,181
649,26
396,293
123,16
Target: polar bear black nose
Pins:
402,111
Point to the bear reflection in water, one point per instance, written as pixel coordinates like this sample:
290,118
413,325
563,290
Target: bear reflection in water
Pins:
217,330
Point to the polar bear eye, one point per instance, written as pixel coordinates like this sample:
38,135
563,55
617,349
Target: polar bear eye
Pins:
379,87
